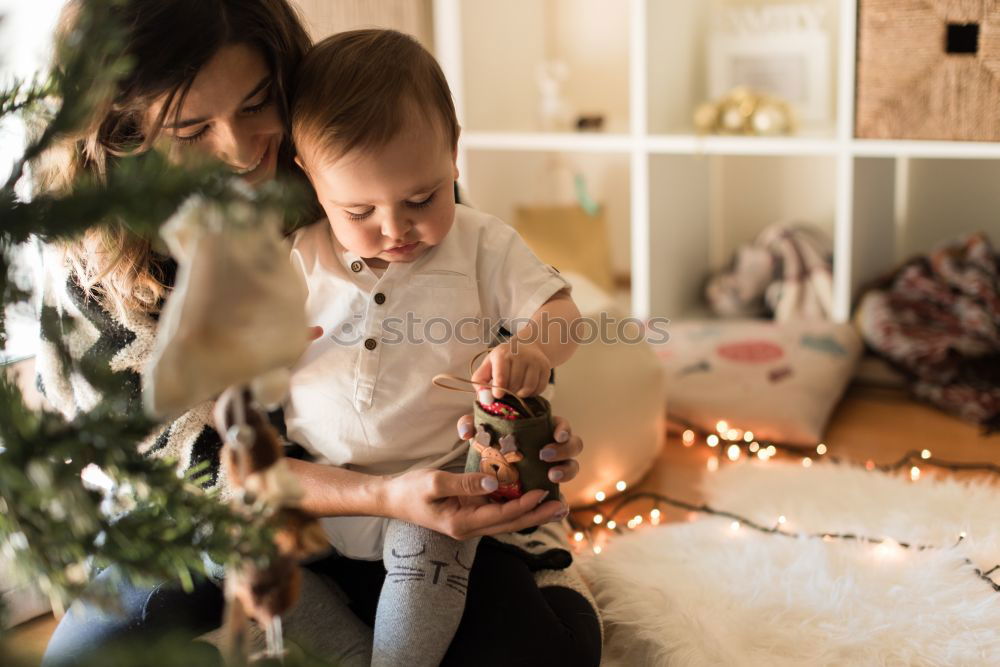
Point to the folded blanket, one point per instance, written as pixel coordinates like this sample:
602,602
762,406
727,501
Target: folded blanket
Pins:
938,320
785,272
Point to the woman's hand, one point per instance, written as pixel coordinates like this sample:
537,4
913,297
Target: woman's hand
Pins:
563,451
453,504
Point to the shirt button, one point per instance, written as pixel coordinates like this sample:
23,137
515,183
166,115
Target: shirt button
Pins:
370,344
356,266
380,298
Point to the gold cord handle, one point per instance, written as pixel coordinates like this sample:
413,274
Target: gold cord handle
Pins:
441,379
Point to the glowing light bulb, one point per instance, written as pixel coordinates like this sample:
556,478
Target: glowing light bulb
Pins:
612,524
654,514
95,478
925,454
763,455
687,438
821,449
771,450
722,426
733,434
599,496
748,436
914,473
734,526
733,452
712,440
637,518
807,462
712,463
888,548
598,519
782,520
578,536
597,548
754,446
621,485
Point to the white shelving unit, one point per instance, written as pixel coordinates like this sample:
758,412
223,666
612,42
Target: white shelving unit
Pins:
692,200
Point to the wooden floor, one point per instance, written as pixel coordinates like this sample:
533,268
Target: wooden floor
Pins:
876,424
881,425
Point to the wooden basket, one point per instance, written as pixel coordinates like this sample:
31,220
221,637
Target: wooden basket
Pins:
929,69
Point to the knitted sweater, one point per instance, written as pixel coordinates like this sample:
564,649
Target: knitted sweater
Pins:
125,345
94,334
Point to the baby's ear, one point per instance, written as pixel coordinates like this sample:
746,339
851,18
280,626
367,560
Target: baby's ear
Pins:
302,165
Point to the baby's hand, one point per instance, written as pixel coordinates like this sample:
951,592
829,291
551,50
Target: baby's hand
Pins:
520,367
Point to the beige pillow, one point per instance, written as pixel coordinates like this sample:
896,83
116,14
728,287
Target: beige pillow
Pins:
614,395
780,381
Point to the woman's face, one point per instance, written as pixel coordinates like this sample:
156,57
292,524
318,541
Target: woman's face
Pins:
230,114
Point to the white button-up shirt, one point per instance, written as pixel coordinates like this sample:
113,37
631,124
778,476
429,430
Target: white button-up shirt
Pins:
361,396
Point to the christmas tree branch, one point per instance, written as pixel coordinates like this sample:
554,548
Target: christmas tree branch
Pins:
56,521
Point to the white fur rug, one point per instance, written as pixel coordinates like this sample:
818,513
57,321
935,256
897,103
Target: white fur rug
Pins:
704,594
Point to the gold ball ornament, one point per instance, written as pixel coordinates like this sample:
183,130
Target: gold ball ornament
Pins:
745,112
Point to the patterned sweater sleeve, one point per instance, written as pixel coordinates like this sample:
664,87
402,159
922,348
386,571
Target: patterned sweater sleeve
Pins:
93,334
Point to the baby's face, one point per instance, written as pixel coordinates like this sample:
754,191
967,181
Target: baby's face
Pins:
392,204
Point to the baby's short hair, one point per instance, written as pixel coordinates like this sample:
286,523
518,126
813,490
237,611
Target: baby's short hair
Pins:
355,89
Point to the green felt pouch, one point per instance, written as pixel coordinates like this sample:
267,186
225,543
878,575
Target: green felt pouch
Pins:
514,462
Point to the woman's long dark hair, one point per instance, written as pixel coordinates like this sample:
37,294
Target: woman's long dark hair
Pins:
169,42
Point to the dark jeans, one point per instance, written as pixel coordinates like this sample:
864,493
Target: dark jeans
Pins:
508,620
89,635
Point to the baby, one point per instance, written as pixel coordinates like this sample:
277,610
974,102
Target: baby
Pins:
402,279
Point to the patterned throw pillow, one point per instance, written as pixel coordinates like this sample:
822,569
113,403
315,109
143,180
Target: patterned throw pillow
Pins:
780,381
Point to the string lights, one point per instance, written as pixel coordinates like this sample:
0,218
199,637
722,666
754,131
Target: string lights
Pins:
734,445
883,547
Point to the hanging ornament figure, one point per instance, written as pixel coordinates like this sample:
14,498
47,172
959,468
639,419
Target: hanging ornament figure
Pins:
233,325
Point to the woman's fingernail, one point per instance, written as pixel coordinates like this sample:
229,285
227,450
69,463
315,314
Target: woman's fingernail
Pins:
547,453
556,475
485,397
561,514
562,436
489,484
542,498
465,431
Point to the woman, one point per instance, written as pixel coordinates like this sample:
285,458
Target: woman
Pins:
212,76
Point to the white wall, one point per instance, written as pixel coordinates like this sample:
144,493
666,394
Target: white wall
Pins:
25,36
504,42
325,17
500,181
591,36
946,198
750,193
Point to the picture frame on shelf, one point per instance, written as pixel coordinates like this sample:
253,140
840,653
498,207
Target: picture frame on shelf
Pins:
778,49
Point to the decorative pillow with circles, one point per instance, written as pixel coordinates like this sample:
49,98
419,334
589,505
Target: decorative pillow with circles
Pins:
780,381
